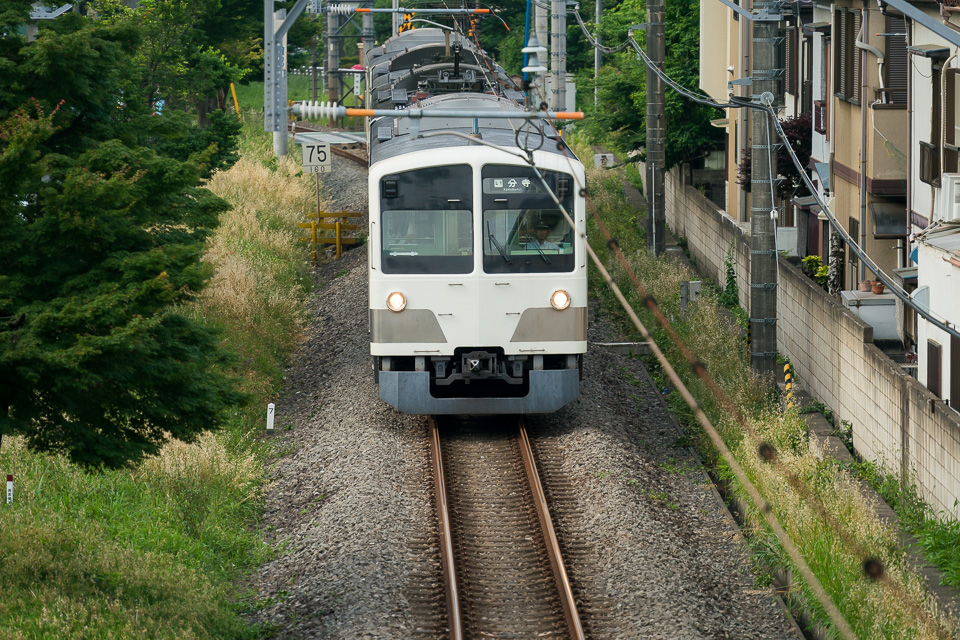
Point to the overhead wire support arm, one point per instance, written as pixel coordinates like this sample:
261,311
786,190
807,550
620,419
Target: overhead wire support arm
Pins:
346,9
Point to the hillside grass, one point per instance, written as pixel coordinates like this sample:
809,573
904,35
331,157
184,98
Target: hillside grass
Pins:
896,607
157,551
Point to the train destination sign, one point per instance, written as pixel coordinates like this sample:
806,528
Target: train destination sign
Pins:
316,157
519,184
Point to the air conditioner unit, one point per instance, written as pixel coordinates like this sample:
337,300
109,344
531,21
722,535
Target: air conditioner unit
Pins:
949,209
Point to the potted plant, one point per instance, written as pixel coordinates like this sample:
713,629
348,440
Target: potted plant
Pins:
877,286
822,276
865,285
811,264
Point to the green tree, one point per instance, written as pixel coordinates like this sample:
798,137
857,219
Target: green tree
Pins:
622,83
102,228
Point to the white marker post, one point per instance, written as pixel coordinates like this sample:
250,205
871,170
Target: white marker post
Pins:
270,411
9,488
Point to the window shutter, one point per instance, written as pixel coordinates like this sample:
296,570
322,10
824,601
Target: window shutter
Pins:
794,70
933,367
787,61
841,73
854,54
896,60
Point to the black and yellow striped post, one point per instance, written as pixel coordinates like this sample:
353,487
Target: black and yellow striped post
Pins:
788,381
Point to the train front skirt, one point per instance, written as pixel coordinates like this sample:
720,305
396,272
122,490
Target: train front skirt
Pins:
409,391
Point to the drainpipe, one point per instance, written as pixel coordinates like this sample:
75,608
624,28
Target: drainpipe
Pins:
943,109
945,12
744,113
908,27
864,47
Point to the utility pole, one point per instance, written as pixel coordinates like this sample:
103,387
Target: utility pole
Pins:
656,132
558,54
596,55
541,26
763,172
333,57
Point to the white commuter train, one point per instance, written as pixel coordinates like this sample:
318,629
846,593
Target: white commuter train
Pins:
478,284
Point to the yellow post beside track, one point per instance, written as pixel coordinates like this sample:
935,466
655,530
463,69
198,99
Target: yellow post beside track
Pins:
337,227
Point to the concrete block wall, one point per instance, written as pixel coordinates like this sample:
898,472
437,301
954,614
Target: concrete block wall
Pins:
895,419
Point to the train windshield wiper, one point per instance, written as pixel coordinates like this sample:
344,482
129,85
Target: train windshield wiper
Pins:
543,255
493,240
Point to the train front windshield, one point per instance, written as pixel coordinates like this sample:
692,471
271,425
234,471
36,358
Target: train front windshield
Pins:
426,220
523,231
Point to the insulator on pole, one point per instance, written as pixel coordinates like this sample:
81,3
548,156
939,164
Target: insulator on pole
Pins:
318,110
341,9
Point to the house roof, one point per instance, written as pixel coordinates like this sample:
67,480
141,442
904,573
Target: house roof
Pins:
943,235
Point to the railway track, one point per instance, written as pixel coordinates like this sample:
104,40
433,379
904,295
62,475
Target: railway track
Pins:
355,152
503,571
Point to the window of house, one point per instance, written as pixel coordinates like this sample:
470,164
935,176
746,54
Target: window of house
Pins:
846,70
955,372
854,230
944,111
895,62
933,367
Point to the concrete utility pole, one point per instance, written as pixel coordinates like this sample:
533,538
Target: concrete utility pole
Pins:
558,54
656,132
763,170
332,62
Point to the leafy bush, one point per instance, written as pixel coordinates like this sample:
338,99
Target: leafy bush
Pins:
811,264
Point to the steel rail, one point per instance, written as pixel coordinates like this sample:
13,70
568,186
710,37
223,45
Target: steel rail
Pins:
343,153
446,535
550,538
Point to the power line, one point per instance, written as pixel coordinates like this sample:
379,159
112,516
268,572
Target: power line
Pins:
734,103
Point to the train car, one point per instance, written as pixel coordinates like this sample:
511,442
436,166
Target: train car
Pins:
478,283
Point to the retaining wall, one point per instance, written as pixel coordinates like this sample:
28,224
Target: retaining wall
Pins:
895,419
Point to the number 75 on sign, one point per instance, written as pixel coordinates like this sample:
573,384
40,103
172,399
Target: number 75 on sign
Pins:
316,157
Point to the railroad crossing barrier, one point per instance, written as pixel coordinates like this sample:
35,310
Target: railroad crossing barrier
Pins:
337,227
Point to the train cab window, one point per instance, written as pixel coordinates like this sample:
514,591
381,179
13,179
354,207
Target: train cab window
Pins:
523,230
426,221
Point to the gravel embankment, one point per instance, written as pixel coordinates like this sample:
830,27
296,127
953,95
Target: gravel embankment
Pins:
353,491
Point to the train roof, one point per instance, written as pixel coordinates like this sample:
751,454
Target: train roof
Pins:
390,137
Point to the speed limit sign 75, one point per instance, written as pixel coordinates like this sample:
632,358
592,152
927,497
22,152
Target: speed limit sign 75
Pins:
316,157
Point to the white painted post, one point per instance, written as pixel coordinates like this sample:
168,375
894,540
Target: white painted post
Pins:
9,488
270,410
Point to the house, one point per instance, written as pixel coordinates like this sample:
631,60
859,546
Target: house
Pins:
844,64
938,272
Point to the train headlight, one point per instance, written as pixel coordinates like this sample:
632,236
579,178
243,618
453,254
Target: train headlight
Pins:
560,299
396,301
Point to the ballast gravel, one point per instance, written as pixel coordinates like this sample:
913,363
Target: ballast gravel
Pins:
353,489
